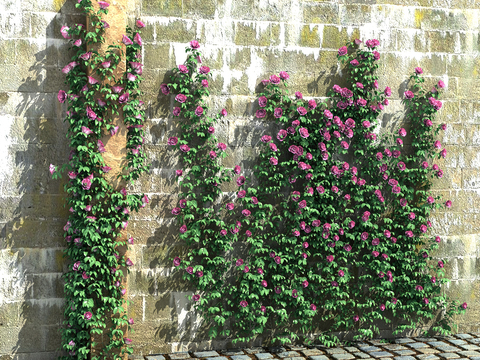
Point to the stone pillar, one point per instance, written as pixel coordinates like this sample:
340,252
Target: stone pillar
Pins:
115,146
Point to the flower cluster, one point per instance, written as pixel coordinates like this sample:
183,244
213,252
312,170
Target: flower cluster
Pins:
340,234
99,213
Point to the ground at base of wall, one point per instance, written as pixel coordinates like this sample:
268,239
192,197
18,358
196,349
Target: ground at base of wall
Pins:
459,346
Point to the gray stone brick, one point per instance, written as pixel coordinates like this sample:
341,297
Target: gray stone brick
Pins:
254,350
469,353
217,358
447,348
335,351
362,355
380,354
403,341
448,355
463,336
345,356
404,352
427,357
416,345
262,356
469,347
457,342
204,354
287,354
370,349
240,357
318,357
404,358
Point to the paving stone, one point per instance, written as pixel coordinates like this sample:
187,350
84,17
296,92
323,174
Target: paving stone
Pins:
318,357
447,348
403,341
288,354
469,347
425,339
296,358
475,358
254,350
205,354
232,352
394,347
474,341
362,344
404,358
240,357
311,352
362,355
277,349
155,357
345,356
217,358
261,356
448,355
428,351
437,343
380,354
417,345
179,355
404,352
335,351
469,353
464,336
351,349
427,357
370,349
457,342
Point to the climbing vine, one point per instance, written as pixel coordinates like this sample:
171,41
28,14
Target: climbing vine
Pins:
99,212
334,222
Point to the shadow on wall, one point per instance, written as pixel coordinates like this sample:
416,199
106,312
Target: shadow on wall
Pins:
33,213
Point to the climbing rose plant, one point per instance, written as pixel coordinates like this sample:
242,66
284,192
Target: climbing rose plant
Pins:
94,286
336,232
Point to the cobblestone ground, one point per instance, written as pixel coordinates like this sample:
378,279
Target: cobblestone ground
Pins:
459,346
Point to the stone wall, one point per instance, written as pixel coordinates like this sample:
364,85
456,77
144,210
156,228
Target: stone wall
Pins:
243,42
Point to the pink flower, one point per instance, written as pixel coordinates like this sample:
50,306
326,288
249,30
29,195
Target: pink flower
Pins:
261,113
196,297
103,4
298,95
240,180
246,212
86,56
194,44
87,315
278,289
448,203
302,111
263,308
312,104
303,133
375,253
183,229
441,84
330,258
354,62
123,98
199,111
237,169
277,113
273,161
173,141
64,32
342,51
464,305
204,70
376,55
230,206
139,24
382,307
137,39
408,94
401,166
176,261
185,148
126,40
418,71
409,233
284,75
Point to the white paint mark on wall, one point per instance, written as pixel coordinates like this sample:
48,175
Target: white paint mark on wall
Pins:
253,70
6,167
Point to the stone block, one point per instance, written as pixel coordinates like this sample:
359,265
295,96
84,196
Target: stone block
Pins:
355,14
254,10
162,7
321,13
334,38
